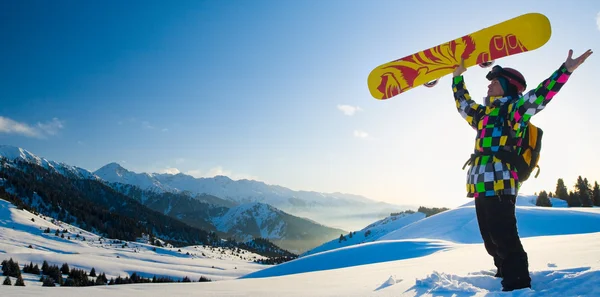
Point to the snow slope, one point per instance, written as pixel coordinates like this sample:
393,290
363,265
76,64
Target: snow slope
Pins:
460,224
563,260
370,233
18,232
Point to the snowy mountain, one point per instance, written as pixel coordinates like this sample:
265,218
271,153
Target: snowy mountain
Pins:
205,212
113,172
241,222
12,153
259,220
562,243
344,211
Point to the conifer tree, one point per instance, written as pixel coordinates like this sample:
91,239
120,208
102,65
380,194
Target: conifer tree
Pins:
584,191
20,282
65,268
573,200
561,190
7,281
45,267
543,200
596,194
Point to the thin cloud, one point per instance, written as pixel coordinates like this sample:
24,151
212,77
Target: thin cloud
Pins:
348,109
143,124
598,20
146,125
52,127
360,134
218,170
172,170
41,130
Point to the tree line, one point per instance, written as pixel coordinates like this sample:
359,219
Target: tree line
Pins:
428,211
583,194
51,275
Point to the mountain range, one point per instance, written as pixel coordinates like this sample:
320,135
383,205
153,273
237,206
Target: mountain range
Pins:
344,211
241,210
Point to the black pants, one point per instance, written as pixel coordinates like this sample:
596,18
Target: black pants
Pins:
498,227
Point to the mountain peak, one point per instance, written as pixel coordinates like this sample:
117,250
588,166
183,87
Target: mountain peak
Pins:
13,153
222,178
113,165
112,168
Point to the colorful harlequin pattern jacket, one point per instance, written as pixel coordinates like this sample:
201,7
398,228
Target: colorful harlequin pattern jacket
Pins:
487,175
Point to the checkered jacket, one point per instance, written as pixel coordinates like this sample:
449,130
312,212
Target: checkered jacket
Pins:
487,175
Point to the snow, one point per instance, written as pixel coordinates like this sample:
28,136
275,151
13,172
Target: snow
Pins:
370,233
435,256
115,173
15,153
18,231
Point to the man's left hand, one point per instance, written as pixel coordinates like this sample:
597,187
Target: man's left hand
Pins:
572,64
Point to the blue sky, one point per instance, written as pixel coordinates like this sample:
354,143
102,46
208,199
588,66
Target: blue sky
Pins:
276,91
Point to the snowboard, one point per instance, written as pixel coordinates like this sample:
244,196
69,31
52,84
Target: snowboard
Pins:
517,35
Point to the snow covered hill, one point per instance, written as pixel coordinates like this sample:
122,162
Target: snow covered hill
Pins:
533,221
563,260
370,233
22,238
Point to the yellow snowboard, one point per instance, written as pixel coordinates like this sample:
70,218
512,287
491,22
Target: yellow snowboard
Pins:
523,33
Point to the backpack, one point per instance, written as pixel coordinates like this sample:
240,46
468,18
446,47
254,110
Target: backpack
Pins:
526,157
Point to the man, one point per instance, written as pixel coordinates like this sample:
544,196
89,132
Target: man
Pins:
494,184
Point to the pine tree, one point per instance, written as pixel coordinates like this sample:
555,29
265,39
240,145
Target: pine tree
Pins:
7,281
543,200
596,194
65,268
584,191
93,272
573,200
45,267
35,269
20,282
561,190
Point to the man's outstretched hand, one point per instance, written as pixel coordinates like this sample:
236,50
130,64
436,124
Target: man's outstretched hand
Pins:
460,69
572,64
